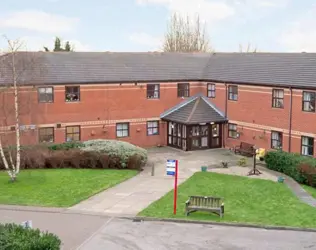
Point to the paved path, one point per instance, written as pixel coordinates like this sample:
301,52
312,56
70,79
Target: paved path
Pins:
296,188
134,195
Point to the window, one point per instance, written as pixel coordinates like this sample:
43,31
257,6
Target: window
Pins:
73,133
307,145
153,128
276,140
45,94
232,92
309,101
153,91
46,135
122,129
232,130
211,90
72,94
183,90
277,98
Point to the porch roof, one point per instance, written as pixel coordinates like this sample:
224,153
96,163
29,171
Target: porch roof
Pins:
195,110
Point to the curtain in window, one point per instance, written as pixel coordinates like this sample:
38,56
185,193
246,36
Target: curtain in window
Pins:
156,92
309,101
276,140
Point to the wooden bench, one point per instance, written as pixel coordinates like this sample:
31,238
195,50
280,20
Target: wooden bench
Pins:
204,203
245,148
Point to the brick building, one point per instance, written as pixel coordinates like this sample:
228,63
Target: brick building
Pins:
188,101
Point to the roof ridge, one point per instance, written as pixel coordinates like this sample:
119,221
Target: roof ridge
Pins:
179,105
212,105
194,108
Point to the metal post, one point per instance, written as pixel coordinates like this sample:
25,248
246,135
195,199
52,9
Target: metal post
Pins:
152,169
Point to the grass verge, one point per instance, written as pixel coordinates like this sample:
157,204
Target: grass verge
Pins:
58,187
310,190
247,200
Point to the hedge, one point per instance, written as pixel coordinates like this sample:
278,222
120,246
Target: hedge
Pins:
300,168
113,148
13,236
98,154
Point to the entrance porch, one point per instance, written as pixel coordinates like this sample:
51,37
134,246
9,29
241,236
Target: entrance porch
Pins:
194,137
194,124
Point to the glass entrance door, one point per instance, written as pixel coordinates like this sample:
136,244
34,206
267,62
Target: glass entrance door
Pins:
199,137
215,136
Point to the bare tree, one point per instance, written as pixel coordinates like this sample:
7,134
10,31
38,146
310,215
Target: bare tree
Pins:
185,35
248,49
14,66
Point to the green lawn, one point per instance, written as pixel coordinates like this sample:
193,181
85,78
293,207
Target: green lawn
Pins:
247,200
310,190
58,187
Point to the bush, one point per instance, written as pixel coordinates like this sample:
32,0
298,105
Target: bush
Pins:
242,162
13,236
75,155
65,146
293,165
123,150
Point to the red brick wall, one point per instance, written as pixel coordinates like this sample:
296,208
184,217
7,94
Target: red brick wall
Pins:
255,116
102,106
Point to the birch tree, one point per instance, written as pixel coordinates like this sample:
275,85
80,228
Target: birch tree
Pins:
13,69
186,35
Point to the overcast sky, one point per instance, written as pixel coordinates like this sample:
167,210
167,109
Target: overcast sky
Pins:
139,25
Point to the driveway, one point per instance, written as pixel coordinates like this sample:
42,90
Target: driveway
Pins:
90,232
120,234
135,194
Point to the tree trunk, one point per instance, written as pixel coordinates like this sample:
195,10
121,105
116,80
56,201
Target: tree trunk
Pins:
5,163
17,122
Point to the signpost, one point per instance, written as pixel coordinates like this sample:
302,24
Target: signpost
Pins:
172,169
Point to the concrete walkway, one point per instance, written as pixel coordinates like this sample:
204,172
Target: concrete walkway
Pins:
296,188
134,195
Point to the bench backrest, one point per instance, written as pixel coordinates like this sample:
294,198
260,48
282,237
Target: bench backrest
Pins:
247,146
205,201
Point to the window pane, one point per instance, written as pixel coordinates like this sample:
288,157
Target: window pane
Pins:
41,90
119,133
49,90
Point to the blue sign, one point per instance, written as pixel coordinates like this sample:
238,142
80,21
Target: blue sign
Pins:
171,167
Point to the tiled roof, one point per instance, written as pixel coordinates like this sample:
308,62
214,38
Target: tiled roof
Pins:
286,69
197,109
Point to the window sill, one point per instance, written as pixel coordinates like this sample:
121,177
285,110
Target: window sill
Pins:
232,100
234,138
309,112
278,108
73,102
155,99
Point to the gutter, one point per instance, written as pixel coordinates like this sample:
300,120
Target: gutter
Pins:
290,119
224,127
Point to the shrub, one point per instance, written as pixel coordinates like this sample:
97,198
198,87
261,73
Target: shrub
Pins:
242,162
122,150
65,145
309,173
101,155
13,236
293,165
